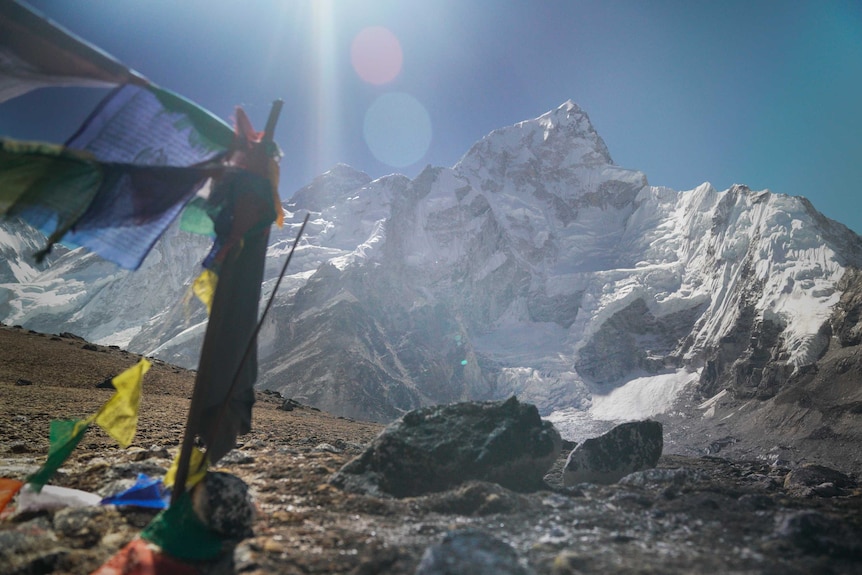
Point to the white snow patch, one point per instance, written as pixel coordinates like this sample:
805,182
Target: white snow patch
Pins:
189,334
642,397
119,338
712,400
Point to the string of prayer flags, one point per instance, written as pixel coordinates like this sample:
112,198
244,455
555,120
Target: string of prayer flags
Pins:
118,417
35,53
120,181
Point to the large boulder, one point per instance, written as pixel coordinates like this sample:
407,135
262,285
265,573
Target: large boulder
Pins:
436,448
626,448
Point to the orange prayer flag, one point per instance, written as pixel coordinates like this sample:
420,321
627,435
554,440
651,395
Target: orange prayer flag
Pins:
8,489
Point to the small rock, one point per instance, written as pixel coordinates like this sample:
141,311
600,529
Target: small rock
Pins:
436,448
137,453
222,501
663,477
571,563
473,552
326,448
289,405
90,347
476,498
19,447
98,465
244,560
80,523
114,487
272,546
810,480
133,469
114,541
70,335
23,381
237,457
819,534
29,552
106,384
756,502
159,452
626,448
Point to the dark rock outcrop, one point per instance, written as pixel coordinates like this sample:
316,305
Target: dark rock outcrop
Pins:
626,448
436,448
817,480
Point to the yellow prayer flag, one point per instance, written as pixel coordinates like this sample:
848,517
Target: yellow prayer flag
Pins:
204,287
119,416
198,465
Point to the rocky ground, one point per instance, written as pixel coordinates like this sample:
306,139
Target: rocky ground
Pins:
689,515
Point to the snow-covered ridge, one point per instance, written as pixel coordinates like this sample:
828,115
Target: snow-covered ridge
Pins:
534,266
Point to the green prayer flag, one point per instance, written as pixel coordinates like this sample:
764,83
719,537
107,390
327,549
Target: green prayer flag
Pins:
196,218
64,434
180,534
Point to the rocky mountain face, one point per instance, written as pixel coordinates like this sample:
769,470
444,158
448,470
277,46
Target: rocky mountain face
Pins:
534,267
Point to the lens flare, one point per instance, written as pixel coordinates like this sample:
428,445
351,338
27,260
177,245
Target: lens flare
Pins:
376,55
397,129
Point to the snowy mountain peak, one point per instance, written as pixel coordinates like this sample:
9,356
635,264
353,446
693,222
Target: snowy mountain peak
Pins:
326,189
562,139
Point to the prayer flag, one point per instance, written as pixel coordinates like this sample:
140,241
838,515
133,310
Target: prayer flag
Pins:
181,534
120,195
204,288
128,171
198,466
8,489
142,558
146,492
151,126
119,416
35,52
121,179
64,436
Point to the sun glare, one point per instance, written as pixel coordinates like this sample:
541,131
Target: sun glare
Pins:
325,85
376,55
397,129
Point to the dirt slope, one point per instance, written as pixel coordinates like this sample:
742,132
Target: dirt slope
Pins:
695,515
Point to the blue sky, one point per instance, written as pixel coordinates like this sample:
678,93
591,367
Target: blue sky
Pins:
759,92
